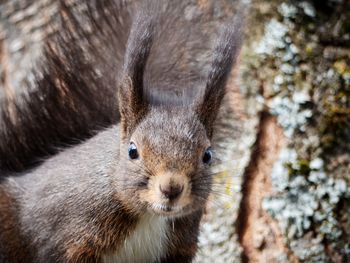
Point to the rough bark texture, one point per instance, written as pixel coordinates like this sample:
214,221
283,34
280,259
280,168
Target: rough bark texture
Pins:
282,192
299,52
260,237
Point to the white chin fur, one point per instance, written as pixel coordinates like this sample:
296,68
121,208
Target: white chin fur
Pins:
147,243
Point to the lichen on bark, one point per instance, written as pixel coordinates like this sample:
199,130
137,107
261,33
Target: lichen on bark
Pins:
301,57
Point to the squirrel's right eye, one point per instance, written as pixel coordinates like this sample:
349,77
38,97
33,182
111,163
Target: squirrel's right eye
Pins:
132,151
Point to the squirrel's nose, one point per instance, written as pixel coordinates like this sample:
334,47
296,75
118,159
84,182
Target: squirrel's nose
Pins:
171,192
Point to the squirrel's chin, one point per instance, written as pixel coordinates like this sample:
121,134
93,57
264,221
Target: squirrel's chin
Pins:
169,210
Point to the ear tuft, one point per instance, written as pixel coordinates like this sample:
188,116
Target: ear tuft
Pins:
225,54
132,102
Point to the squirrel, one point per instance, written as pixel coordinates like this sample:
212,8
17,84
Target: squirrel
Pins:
132,191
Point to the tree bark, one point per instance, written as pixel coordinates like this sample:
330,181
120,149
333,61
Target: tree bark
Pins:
297,63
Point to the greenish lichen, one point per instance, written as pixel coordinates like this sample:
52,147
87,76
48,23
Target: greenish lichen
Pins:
303,62
305,200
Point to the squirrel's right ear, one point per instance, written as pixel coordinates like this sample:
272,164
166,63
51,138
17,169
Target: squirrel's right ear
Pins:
132,101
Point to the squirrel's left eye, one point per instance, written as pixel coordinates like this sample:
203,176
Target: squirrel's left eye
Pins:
132,151
207,156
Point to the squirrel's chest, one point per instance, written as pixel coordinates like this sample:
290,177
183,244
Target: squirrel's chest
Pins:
147,243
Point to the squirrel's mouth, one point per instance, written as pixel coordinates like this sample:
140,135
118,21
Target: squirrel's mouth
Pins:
168,210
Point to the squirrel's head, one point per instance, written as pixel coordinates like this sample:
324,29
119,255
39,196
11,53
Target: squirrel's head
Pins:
166,148
167,158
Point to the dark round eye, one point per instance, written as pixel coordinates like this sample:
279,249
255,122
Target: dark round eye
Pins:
132,151
207,156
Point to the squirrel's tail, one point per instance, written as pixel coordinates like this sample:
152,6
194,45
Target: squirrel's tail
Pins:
74,93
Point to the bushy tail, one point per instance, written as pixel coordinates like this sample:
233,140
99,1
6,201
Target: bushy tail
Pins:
74,94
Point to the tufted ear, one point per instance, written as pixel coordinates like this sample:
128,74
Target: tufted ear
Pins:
132,102
224,57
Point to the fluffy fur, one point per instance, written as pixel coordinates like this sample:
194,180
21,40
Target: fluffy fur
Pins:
148,243
91,202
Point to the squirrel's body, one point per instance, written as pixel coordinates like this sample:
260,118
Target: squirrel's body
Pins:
134,192
88,217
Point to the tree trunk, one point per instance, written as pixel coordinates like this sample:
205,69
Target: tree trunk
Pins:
296,64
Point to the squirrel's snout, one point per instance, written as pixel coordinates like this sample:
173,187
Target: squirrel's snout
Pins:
171,192
171,186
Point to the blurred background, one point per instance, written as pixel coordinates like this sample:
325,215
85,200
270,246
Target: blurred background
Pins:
282,189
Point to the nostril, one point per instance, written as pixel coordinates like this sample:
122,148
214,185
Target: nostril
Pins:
171,192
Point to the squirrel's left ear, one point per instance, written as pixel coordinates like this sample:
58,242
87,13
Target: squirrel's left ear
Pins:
132,102
224,57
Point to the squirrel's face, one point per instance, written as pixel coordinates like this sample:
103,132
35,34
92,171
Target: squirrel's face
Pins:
167,161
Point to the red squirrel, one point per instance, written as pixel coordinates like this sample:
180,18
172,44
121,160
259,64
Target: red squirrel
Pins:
136,190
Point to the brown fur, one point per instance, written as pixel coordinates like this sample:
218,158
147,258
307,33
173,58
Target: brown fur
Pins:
12,240
184,239
86,201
